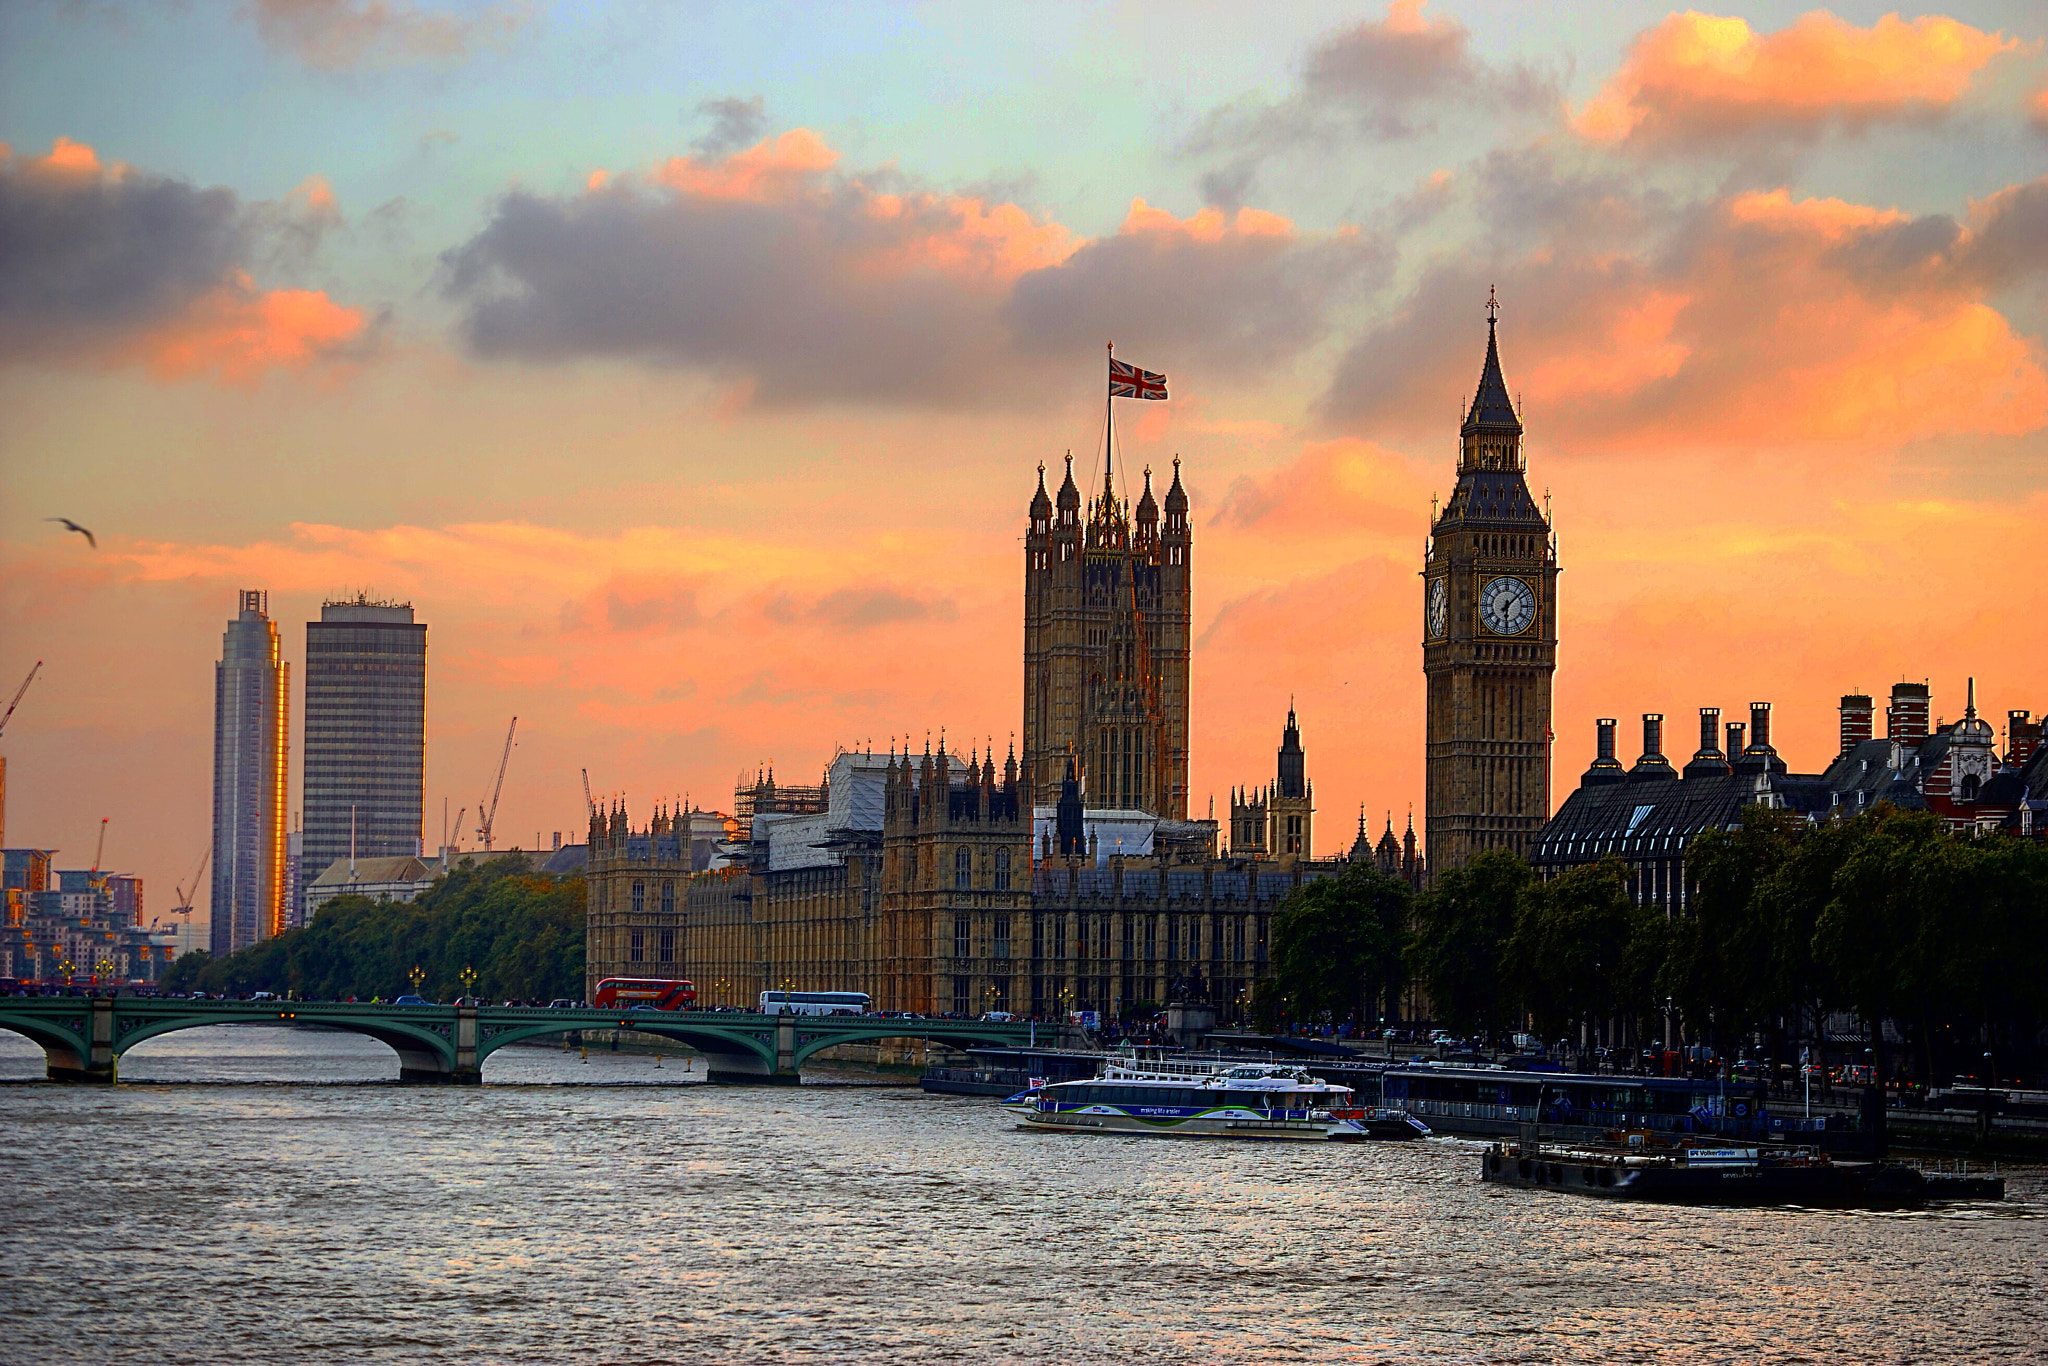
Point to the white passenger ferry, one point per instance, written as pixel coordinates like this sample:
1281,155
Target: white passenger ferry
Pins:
1206,1100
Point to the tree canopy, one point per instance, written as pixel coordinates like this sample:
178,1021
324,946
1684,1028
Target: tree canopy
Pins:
521,931
1337,946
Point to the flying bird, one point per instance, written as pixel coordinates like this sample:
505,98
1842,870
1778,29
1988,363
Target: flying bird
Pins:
70,525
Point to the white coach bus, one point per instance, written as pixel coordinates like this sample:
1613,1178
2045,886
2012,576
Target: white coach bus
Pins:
815,1002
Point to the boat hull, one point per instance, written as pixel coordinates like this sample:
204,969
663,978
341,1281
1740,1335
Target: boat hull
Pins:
1840,1185
1107,1120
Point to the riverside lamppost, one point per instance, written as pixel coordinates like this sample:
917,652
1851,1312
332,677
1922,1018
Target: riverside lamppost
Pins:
720,987
468,981
418,975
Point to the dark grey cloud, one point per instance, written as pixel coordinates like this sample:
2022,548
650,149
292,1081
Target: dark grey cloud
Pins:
88,259
816,295
336,35
1249,301
651,613
1382,79
735,123
860,609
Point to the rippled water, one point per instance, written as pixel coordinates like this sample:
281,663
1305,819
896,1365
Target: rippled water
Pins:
215,1207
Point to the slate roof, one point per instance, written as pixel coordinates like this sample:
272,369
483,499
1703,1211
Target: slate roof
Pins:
1492,498
1492,409
1656,817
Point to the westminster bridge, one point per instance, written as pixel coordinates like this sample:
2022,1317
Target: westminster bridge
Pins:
83,1037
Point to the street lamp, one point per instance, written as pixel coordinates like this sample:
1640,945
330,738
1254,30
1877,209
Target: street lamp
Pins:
418,975
468,980
720,987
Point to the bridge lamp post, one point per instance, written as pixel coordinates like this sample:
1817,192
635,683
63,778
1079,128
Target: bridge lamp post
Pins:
418,975
720,987
468,981
65,968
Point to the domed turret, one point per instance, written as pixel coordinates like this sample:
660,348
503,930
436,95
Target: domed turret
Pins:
1070,496
1041,505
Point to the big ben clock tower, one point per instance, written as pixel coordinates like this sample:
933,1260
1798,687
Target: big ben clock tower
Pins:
1489,632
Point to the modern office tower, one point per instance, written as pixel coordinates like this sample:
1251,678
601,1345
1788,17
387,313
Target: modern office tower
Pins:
366,727
251,705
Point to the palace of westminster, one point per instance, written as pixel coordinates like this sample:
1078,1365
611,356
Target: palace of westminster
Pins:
1070,877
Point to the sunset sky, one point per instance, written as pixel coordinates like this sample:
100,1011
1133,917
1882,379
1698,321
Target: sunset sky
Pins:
688,368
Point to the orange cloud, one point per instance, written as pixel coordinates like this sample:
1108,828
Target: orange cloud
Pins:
774,168
1756,322
1701,76
239,334
2037,108
1205,225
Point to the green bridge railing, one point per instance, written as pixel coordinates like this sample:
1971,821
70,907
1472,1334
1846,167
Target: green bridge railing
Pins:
83,1038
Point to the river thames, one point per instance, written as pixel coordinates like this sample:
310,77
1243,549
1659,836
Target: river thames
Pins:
260,1194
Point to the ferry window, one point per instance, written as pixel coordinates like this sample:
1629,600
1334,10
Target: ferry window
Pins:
668,946
639,898
963,876
1002,870
636,945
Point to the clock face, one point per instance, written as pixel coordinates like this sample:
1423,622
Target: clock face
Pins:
1439,606
1507,606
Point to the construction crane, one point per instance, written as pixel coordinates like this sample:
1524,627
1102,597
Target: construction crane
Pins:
101,850
588,800
484,818
17,695
185,897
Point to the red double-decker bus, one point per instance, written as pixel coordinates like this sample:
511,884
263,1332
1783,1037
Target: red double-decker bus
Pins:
624,993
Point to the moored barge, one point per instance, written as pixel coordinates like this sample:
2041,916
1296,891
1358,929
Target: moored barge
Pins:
1686,1174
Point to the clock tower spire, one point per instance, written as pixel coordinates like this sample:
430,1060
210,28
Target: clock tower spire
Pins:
1489,639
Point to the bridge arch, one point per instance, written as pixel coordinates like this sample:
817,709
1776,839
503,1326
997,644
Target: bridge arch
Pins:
67,1051
735,1051
953,1036
424,1052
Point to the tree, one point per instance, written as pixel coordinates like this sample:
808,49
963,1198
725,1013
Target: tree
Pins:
1582,951
1337,945
1458,953
522,932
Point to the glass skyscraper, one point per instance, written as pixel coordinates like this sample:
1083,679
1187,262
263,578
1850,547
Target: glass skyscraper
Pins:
366,729
251,706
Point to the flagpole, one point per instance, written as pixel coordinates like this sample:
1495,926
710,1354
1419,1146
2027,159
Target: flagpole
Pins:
1109,418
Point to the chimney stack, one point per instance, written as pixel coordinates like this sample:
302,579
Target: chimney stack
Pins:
2022,737
1653,764
1736,730
1606,768
1905,720
1709,761
1857,719
1760,726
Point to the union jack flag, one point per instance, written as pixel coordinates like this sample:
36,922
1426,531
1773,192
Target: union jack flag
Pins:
1128,381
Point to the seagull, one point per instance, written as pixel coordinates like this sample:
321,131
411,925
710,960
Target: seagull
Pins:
70,525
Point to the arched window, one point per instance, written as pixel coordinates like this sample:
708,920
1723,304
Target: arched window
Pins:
963,874
1002,870
639,898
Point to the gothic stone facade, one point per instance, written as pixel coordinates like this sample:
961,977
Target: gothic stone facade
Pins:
1489,596
1106,636
938,907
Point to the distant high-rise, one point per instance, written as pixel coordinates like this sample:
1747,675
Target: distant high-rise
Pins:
366,728
251,705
